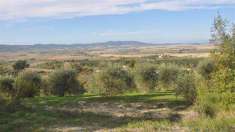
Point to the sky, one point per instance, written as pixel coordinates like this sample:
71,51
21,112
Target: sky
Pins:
88,21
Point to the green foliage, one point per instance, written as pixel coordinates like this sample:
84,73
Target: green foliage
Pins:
5,70
148,77
28,84
7,86
168,74
115,80
77,67
207,105
207,124
20,65
219,33
51,65
205,68
63,82
186,86
223,80
129,62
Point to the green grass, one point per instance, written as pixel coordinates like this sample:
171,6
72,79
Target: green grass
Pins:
36,115
167,97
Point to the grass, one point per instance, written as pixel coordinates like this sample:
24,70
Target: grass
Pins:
36,115
224,122
147,112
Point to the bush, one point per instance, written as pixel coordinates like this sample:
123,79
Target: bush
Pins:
168,74
222,123
205,68
20,65
148,77
7,86
51,65
28,84
65,81
208,104
115,80
5,70
186,86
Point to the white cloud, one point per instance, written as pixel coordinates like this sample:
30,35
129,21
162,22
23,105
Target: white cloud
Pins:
24,9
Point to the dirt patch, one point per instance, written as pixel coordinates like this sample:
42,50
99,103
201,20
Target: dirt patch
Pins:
111,115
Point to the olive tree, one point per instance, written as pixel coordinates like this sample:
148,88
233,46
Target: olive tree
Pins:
28,84
115,80
186,86
20,65
205,68
148,76
63,82
168,74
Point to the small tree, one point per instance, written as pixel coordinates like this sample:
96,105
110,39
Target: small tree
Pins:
149,77
7,86
205,68
219,92
65,81
20,65
115,80
186,86
168,74
218,32
28,84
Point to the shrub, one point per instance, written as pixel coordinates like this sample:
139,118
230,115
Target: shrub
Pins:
20,65
148,77
207,108
207,103
115,80
130,62
223,123
28,84
5,70
205,68
51,65
65,81
186,86
168,74
7,86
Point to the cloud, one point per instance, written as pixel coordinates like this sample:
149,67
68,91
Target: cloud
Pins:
25,9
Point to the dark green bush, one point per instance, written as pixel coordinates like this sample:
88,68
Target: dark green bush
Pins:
7,86
28,84
63,82
115,80
148,77
20,65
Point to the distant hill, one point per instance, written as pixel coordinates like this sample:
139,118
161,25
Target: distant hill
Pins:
47,47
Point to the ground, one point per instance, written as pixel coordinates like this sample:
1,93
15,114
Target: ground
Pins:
131,112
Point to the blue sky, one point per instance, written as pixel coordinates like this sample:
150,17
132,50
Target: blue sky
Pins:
85,21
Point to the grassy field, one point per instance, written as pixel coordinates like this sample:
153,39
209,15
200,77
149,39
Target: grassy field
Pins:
129,112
